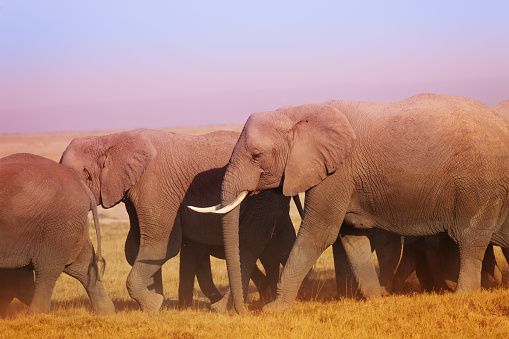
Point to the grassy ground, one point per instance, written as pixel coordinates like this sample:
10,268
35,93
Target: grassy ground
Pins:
317,314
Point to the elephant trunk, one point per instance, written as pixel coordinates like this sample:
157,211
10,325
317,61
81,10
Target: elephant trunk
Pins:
232,252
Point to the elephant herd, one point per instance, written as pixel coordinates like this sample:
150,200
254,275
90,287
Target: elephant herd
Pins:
432,168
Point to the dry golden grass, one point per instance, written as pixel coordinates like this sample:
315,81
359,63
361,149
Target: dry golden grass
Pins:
317,314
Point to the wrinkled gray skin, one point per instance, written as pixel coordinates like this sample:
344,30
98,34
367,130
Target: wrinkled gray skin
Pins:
157,174
44,228
414,167
436,259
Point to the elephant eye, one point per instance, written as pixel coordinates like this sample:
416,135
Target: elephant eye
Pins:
256,155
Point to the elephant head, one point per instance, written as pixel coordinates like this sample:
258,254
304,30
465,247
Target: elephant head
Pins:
293,148
110,164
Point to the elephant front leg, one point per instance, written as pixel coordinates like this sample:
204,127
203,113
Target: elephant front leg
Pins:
138,281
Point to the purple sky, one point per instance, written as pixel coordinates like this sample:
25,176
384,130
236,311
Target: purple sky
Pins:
107,65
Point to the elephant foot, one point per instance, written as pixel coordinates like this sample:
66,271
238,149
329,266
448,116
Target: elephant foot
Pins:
107,308
451,285
276,306
223,305
384,291
152,303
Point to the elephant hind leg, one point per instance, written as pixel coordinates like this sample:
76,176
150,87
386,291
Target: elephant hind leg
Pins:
16,283
45,279
489,265
471,258
85,270
204,277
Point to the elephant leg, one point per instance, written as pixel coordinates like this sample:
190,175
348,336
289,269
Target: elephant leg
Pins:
16,283
318,230
191,254
5,301
471,257
443,257
7,290
248,262
260,280
505,252
204,277
358,250
438,262
489,265
425,277
346,283
26,285
267,286
156,246
407,265
45,279
132,246
85,270
274,254
388,247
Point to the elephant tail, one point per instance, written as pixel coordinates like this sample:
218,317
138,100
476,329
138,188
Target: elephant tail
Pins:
100,263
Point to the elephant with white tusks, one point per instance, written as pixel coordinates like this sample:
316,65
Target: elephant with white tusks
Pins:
425,165
44,229
157,174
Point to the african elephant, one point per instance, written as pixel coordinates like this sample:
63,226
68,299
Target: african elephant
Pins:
44,228
428,164
156,174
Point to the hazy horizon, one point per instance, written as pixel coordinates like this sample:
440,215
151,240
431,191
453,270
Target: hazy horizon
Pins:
82,66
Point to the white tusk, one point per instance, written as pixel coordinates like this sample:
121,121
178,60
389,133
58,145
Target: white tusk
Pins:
205,209
217,209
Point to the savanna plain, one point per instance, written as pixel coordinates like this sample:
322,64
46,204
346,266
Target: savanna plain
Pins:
317,313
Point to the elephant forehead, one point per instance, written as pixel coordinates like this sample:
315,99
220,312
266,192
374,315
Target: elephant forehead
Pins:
264,129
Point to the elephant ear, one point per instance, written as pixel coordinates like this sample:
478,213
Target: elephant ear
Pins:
319,141
127,157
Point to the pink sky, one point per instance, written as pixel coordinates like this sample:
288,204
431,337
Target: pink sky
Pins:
105,66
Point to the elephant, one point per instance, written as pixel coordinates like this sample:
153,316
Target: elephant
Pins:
44,228
425,165
156,174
